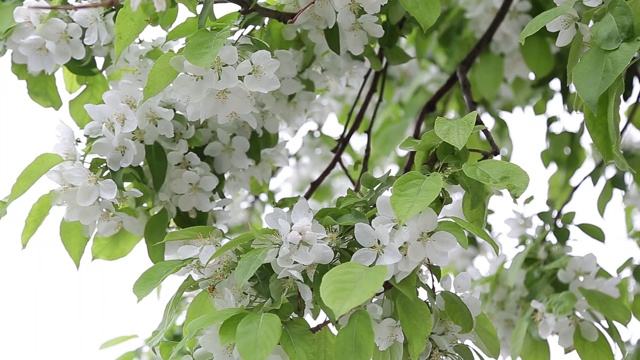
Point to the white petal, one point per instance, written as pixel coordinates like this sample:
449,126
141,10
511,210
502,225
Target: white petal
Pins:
365,235
364,256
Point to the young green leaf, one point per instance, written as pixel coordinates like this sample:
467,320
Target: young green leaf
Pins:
593,231
129,24
457,311
477,231
203,46
195,232
543,19
116,341
413,192
42,88
73,239
596,350
499,174
34,171
249,263
612,308
297,340
487,336
258,335
115,246
456,132
598,69
426,12
161,75
534,348
350,284
415,318
155,275
154,232
356,340
36,216
156,158
615,27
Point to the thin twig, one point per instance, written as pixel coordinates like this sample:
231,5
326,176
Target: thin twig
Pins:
351,110
344,141
465,85
304,8
367,150
319,327
247,7
463,66
346,172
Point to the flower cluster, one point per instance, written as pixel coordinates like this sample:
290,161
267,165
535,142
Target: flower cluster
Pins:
44,40
565,25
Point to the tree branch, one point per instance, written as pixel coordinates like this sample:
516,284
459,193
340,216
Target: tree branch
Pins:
343,142
463,66
471,106
247,7
367,150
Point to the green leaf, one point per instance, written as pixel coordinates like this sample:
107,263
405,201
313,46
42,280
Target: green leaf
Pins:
397,56
635,306
393,352
534,348
598,69
129,24
154,232
34,171
203,322
612,308
487,336
92,94
457,311
168,317
230,245
593,231
186,28
155,275
42,88
6,15
229,327
455,230
538,56
615,27
116,341
156,158
413,192
349,285
463,351
605,197
456,132
518,337
499,174
415,318
543,19
603,126
333,38
477,231
115,246
297,340
199,306
356,340
484,83
425,11
203,46
73,239
160,76
597,350
249,263
325,345
258,335
36,216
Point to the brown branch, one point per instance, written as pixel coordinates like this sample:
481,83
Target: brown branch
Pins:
463,66
319,327
343,142
465,85
247,7
351,110
346,172
304,8
367,150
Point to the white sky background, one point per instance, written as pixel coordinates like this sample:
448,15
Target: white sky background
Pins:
48,309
